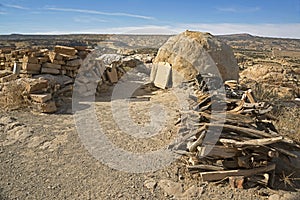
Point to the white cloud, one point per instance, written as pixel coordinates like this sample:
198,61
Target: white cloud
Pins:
88,19
16,6
2,13
239,9
99,12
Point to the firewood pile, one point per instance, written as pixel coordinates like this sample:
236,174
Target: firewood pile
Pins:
232,138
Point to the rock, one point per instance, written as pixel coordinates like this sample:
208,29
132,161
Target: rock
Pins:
41,98
171,188
74,63
65,50
31,67
112,74
54,56
291,196
109,59
32,60
192,193
35,85
274,197
49,71
191,53
150,184
162,73
51,65
130,62
62,80
48,107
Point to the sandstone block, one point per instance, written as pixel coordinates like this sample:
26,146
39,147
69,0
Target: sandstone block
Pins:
46,70
73,63
51,65
48,107
41,98
65,50
163,75
31,67
36,86
112,75
32,60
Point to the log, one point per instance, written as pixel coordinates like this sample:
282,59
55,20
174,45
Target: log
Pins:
254,142
219,175
205,167
243,130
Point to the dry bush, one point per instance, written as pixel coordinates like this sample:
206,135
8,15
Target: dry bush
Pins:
286,112
11,95
262,93
288,122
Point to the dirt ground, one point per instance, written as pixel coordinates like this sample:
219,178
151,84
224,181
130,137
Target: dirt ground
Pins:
42,157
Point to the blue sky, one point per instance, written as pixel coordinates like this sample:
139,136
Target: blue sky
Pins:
265,18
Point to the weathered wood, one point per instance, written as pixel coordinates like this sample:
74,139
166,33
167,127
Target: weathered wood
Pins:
217,151
240,106
230,118
198,142
243,130
249,95
205,167
219,175
254,142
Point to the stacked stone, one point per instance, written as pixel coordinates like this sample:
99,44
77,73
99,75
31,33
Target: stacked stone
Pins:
63,60
8,57
32,62
39,96
2,60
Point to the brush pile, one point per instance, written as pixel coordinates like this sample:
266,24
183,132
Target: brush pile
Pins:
231,136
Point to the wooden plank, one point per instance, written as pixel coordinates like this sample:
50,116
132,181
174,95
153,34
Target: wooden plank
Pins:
219,175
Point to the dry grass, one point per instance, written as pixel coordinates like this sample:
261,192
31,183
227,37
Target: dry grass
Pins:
288,122
287,114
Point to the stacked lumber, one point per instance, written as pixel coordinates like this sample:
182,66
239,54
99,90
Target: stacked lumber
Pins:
231,138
